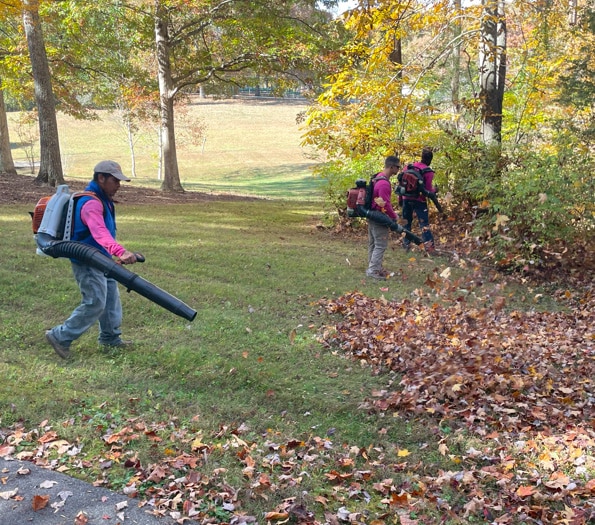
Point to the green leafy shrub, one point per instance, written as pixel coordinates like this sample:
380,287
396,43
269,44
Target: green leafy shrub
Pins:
340,175
466,169
547,200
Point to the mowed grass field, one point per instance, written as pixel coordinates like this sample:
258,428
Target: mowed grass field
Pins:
247,147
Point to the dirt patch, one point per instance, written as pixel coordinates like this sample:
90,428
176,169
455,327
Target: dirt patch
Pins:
22,189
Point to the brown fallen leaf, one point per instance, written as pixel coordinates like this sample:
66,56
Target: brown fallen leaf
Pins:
40,502
48,437
558,480
525,490
81,519
6,450
9,494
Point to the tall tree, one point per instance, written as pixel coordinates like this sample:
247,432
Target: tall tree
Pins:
384,96
50,169
218,41
167,93
15,73
6,162
492,69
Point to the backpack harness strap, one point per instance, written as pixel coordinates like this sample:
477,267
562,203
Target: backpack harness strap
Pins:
68,226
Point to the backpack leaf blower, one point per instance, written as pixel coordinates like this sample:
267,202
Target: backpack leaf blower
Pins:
381,218
356,207
52,222
94,258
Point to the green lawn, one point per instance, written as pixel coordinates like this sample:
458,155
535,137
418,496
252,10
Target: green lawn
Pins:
250,359
248,147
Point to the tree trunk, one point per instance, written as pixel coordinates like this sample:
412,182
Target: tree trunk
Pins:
50,169
492,69
130,135
171,175
160,154
573,13
455,82
6,162
396,57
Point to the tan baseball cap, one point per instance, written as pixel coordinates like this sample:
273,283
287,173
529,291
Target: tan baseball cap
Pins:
112,168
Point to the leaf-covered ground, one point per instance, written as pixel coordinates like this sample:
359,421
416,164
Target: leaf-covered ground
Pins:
509,395
522,382
491,368
512,394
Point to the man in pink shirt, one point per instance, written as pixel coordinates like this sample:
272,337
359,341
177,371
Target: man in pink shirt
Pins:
378,234
418,204
95,225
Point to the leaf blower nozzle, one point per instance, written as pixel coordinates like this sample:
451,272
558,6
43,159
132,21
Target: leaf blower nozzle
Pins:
94,258
381,218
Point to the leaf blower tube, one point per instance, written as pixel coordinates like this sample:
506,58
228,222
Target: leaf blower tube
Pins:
381,218
93,257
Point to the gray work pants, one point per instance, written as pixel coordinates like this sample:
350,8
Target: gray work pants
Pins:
100,302
377,245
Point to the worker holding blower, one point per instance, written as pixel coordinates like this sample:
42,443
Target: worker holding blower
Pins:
95,225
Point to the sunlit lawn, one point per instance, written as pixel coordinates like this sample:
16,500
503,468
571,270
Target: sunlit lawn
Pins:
249,379
248,147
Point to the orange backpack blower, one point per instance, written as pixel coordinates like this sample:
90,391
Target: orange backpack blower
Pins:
54,215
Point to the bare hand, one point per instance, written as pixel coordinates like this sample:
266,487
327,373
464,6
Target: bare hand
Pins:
127,258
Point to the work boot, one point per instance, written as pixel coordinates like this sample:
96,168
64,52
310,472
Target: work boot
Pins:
120,345
61,350
377,276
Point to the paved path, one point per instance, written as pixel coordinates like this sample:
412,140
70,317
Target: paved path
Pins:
99,505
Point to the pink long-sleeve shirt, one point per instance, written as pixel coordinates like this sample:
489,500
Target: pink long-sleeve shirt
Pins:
428,182
382,188
92,217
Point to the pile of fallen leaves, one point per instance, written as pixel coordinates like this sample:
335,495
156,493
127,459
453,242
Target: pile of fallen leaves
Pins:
522,381
491,369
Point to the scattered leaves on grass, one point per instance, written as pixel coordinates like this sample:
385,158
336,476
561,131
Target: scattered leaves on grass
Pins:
509,396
